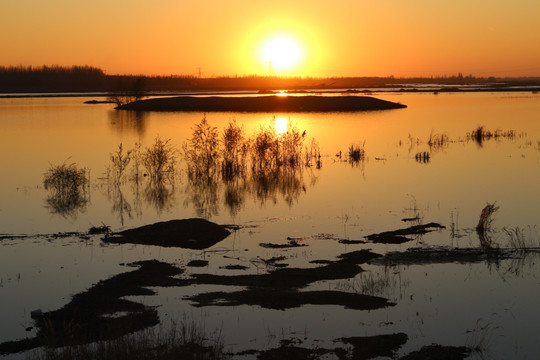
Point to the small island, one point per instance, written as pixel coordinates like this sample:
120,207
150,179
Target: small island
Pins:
310,103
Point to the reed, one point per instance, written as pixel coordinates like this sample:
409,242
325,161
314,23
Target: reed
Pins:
480,134
235,149
357,153
484,223
119,163
202,150
181,340
159,160
68,188
437,141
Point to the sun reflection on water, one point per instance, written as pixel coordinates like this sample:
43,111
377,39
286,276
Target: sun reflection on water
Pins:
281,125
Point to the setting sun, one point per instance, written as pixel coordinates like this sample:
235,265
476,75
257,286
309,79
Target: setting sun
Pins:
281,53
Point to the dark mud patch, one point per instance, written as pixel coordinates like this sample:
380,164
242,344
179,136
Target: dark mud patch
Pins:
439,352
93,315
286,299
290,244
263,104
186,233
400,236
294,278
279,288
235,267
197,263
368,347
293,352
273,260
351,242
320,262
423,256
357,257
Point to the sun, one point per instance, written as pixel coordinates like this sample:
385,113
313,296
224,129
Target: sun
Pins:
281,53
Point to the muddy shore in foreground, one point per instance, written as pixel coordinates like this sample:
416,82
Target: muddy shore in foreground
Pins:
103,313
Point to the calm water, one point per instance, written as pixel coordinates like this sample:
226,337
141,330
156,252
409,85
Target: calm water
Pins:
435,303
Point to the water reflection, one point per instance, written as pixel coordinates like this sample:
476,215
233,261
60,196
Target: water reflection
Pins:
121,205
128,121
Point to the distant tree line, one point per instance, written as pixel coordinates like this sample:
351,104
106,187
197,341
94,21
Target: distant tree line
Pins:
19,79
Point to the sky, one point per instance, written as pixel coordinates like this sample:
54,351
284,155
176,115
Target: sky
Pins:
315,38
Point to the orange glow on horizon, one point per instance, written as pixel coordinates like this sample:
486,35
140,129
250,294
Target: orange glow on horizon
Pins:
318,39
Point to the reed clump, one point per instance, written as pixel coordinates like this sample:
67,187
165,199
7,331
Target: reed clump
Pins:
119,162
519,240
68,187
264,165
159,160
313,155
437,141
484,223
151,173
357,152
235,151
480,134
202,150
483,230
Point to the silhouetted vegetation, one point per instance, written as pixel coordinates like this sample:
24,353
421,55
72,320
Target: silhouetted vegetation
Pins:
91,79
479,135
437,141
266,165
126,91
68,188
357,153
151,173
52,79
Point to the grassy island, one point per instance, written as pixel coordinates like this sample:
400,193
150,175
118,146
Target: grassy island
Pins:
310,103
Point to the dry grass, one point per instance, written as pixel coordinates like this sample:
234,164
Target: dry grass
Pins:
484,224
202,150
159,160
119,163
184,340
357,153
235,149
68,188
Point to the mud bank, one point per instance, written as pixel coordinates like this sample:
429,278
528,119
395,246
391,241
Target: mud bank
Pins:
263,104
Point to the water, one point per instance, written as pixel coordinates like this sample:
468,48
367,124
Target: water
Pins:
435,303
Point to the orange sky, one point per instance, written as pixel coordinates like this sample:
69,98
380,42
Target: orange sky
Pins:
337,38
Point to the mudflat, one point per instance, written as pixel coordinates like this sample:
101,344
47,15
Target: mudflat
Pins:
309,103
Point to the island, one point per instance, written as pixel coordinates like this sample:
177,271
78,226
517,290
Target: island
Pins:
273,103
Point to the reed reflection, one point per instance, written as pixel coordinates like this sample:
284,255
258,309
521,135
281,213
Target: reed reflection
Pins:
128,121
223,169
268,165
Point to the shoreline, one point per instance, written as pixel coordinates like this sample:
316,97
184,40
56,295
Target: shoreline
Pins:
361,90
